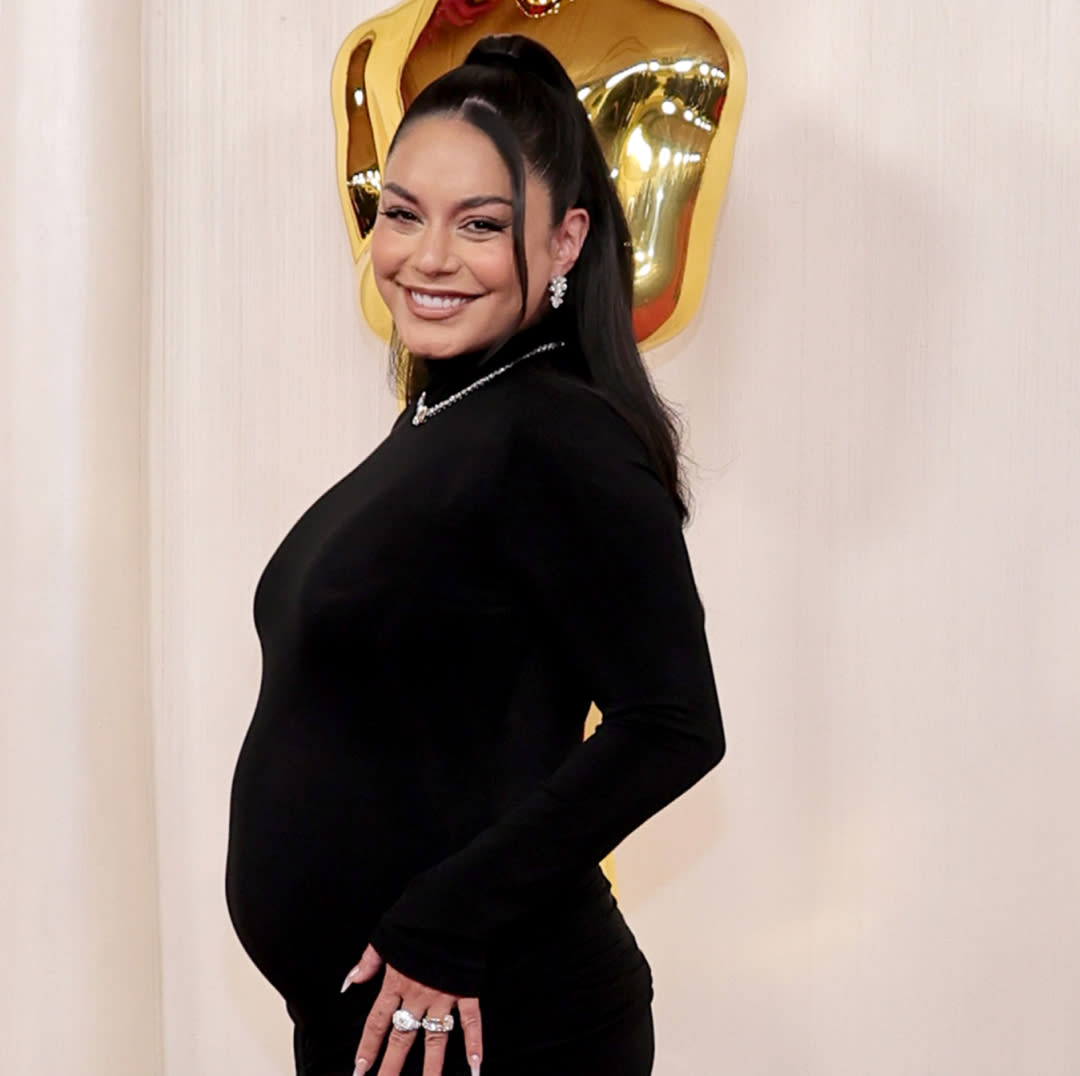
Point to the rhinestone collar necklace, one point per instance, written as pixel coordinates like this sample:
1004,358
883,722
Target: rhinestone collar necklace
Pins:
423,412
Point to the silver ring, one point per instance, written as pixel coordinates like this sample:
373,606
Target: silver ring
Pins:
438,1023
404,1020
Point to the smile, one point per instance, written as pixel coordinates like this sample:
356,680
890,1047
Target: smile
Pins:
435,302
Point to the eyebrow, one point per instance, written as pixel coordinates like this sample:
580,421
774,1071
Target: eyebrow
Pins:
474,202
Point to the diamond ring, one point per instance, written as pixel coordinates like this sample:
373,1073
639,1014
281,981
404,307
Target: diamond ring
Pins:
438,1023
404,1020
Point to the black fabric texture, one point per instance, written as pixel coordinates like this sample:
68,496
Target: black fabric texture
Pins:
433,629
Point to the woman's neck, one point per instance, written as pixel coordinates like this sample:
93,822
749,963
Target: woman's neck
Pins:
454,371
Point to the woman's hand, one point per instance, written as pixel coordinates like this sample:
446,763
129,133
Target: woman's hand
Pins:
400,992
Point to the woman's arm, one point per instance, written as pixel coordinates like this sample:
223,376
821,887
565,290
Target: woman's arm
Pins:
594,543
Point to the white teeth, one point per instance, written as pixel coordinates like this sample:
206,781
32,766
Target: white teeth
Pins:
437,302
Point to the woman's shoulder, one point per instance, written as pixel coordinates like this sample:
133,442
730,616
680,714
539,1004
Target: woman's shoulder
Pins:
560,430
553,408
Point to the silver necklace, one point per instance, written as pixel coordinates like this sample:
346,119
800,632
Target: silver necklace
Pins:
423,412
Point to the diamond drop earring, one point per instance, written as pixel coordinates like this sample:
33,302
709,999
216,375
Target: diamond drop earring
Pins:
557,287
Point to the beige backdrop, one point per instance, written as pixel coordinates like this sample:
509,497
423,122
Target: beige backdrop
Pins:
79,955
883,396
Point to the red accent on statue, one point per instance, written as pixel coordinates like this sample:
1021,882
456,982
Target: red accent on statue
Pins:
457,13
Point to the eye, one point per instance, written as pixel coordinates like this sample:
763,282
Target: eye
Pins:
398,212
485,226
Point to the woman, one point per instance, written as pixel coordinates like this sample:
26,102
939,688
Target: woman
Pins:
414,790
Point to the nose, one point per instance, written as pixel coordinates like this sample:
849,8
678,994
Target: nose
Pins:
435,251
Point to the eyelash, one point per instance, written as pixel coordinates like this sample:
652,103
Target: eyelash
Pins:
406,215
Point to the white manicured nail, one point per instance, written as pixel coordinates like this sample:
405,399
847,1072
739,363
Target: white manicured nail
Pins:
474,1065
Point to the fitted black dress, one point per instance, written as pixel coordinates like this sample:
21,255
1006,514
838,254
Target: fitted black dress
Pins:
433,629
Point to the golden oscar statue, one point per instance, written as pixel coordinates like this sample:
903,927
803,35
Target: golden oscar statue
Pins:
663,82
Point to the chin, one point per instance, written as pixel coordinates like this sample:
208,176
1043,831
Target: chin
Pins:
442,340
435,344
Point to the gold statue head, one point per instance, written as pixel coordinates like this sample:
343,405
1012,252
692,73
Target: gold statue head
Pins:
662,83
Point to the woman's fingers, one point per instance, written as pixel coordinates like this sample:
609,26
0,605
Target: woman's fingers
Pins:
471,1025
375,1028
400,992
369,964
435,1041
397,1049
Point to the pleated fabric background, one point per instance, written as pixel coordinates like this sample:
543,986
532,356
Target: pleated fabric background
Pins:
883,398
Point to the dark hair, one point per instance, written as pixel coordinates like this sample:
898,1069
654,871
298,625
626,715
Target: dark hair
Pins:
517,93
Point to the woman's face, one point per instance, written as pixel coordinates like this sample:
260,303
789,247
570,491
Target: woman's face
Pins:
442,249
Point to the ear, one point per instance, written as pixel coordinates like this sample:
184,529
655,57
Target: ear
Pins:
569,238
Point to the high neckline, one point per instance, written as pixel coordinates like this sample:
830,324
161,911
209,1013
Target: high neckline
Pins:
448,375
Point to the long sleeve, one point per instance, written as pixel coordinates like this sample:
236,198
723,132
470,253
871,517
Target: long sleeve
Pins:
594,547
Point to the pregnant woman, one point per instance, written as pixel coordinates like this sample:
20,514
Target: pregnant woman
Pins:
414,809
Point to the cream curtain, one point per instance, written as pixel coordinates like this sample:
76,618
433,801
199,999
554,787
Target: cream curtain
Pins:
78,905
884,404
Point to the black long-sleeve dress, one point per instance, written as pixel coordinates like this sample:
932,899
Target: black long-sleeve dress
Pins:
433,629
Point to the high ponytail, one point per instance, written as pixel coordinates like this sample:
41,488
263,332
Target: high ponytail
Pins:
516,92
